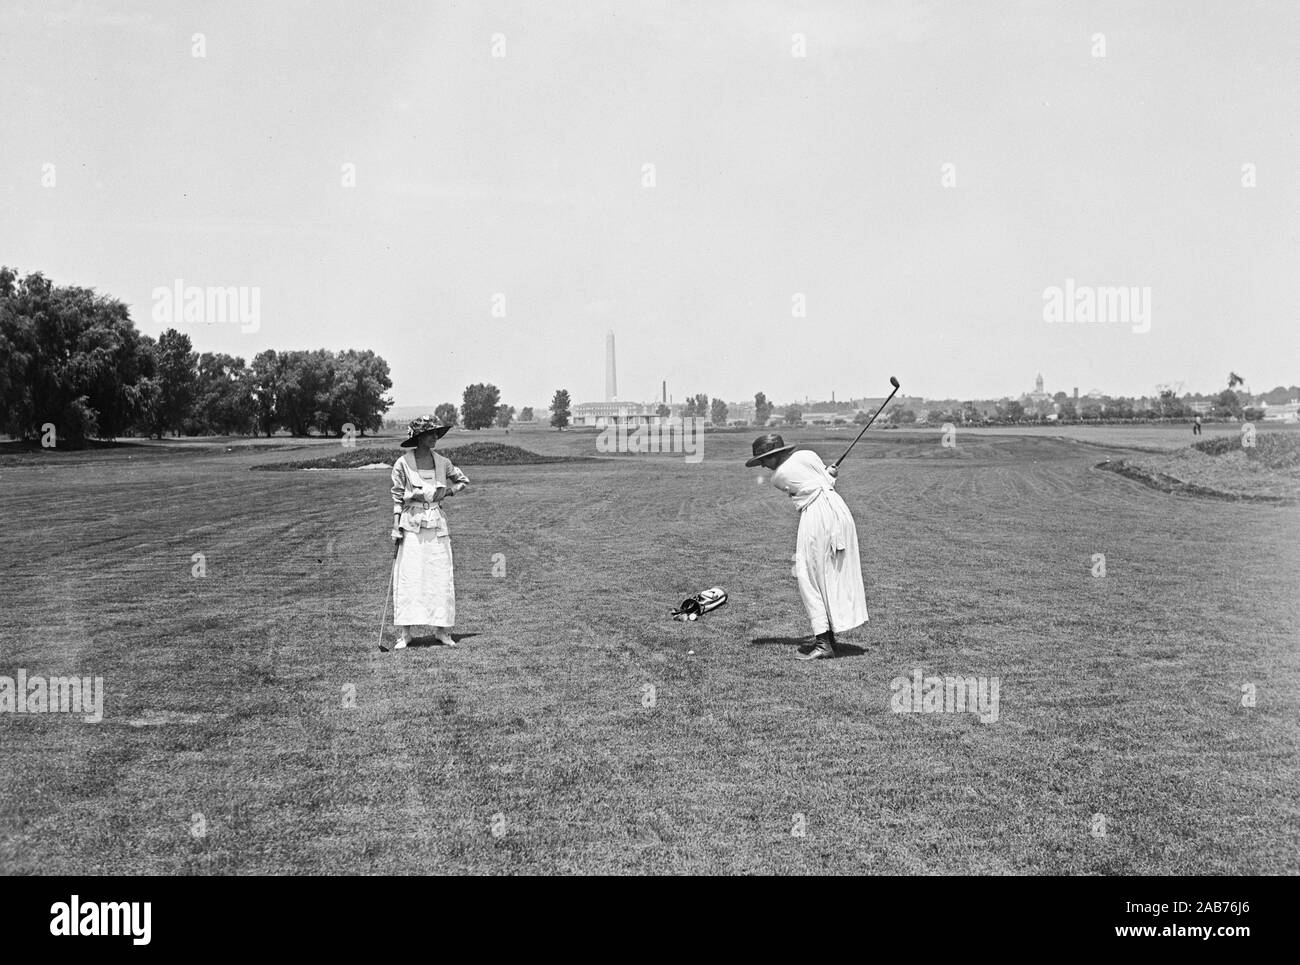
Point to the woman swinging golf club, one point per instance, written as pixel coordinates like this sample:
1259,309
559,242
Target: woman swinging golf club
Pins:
826,561
424,591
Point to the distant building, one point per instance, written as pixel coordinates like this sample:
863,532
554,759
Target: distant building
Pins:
599,413
1038,397
611,370
740,412
826,418
1282,412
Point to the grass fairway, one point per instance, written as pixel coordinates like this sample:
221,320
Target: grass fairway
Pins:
230,744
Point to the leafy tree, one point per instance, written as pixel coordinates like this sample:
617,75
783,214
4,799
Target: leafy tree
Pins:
355,393
1012,411
265,376
793,415
906,417
175,373
68,357
446,413
762,409
718,413
663,412
527,414
1227,403
560,409
1282,395
1235,380
1120,408
479,405
504,414
223,397
696,405
303,403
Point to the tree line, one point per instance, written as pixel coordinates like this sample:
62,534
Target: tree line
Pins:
72,359
481,407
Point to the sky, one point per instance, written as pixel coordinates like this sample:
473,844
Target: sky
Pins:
841,191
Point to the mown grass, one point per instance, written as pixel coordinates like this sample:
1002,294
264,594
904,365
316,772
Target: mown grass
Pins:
229,694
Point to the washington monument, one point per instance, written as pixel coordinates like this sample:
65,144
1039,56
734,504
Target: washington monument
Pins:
611,374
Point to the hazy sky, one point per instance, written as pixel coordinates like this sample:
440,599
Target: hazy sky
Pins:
774,175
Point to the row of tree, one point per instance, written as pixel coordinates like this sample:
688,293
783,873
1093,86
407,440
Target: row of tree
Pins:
1227,404
73,359
481,407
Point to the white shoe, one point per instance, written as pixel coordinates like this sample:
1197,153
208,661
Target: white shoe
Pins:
403,639
445,638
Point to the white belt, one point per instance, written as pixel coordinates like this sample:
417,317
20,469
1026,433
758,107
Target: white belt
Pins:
811,497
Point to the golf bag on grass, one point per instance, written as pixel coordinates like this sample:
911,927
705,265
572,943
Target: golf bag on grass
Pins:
701,603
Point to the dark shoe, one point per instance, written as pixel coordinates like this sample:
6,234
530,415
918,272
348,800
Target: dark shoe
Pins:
822,651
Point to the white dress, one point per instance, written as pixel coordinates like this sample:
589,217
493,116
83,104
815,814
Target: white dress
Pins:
424,586
826,561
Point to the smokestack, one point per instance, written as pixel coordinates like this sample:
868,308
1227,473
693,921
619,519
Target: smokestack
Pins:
665,394
1076,396
611,371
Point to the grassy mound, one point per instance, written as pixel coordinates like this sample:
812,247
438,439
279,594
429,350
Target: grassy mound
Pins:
1223,468
497,454
1272,450
471,454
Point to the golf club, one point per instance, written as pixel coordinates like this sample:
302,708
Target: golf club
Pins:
388,593
892,381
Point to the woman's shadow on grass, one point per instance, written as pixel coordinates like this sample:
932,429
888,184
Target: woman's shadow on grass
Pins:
425,640
841,649
429,640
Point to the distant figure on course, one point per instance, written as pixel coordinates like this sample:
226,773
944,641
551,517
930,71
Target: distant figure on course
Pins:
826,561
1196,425
424,590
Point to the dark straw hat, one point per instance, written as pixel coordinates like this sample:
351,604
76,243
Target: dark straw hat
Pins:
426,423
764,446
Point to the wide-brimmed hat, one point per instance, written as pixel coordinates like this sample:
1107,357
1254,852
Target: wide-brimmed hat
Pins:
764,446
426,423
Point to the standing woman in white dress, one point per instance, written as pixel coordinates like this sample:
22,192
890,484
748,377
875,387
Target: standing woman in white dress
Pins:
826,561
424,590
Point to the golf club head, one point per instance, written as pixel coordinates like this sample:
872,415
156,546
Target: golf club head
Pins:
893,381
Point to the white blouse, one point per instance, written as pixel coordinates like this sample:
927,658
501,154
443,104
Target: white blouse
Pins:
412,491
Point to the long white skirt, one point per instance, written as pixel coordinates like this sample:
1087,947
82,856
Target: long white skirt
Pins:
827,566
424,590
